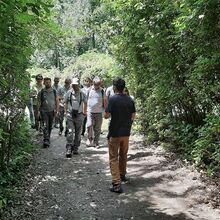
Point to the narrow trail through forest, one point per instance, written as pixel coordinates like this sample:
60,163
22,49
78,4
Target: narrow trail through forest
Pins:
160,186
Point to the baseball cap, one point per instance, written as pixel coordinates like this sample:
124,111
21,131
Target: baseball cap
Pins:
75,81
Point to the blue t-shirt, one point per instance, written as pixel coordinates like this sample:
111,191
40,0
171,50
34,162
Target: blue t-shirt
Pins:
121,108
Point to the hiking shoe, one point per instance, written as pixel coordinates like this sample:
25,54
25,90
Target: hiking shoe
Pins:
89,143
75,152
46,144
116,188
66,132
124,178
68,153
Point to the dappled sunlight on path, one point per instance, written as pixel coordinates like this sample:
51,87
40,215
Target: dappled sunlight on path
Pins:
78,188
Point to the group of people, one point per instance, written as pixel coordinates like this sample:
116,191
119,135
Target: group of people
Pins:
84,106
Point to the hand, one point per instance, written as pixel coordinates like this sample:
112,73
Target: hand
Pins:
56,113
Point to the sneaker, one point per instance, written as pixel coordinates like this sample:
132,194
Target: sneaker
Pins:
60,133
124,178
68,153
116,188
89,143
97,146
66,132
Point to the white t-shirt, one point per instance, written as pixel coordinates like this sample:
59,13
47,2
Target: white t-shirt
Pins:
109,92
95,100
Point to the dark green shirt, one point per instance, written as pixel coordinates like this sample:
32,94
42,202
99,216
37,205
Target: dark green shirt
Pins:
47,99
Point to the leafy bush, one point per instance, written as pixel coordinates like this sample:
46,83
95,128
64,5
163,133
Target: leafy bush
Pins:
206,152
169,52
20,157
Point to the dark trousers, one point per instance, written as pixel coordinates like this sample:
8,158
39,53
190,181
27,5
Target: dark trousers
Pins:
61,117
84,125
47,118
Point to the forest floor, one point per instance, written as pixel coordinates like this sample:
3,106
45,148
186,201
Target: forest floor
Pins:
161,187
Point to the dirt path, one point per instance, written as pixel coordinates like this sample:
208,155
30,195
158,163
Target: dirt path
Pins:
160,187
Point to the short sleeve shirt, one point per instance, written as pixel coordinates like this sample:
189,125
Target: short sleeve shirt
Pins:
121,108
96,100
75,100
109,92
47,98
62,95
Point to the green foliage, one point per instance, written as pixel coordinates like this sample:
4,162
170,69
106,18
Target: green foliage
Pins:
18,19
20,157
206,153
92,64
169,53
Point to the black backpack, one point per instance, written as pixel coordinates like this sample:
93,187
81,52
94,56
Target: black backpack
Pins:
42,98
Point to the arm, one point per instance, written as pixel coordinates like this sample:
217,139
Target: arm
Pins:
108,110
107,115
85,108
38,101
65,108
133,116
57,104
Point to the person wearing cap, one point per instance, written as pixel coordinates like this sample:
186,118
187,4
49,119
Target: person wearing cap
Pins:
96,106
58,89
122,110
36,88
75,108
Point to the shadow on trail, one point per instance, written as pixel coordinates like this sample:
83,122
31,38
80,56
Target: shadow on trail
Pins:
78,188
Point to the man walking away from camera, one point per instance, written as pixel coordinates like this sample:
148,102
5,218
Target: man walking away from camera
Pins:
122,110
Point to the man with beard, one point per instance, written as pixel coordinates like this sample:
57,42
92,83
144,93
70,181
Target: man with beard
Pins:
48,108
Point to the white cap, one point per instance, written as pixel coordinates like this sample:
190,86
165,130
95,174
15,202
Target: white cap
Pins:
96,80
75,81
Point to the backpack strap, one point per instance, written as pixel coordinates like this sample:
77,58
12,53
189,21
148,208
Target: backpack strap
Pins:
80,99
42,95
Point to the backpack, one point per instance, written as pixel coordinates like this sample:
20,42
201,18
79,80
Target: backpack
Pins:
42,98
70,99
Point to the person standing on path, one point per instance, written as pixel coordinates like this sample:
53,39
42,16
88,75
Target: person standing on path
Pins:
36,88
58,89
75,109
30,108
48,108
87,86
96,106
122,111
64,90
